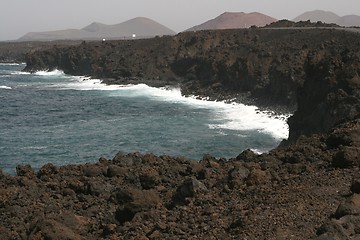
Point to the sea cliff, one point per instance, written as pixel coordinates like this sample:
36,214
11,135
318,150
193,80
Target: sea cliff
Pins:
273,68
306,188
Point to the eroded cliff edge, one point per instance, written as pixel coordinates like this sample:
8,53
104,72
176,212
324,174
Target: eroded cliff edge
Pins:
309,188
265,67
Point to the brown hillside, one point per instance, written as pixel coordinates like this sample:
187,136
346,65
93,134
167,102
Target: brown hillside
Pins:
233,20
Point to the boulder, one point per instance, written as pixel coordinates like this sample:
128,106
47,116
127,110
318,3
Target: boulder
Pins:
25,171
347,157
149,178
345,209
51,229
132,201
347,227
258,177
355,184
47,169
247,156
238,176
127,160
116,171
92,170
188,189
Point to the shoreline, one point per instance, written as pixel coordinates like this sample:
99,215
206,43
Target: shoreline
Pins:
210,95
222,107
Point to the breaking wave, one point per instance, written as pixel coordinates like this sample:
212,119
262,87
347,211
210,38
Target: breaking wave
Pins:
232,116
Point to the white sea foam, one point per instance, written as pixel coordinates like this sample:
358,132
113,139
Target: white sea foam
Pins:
242,117
54,73
5,87
11,64
86,84
50,73
19,73
232,116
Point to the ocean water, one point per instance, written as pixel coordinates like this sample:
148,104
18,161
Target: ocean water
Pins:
50,117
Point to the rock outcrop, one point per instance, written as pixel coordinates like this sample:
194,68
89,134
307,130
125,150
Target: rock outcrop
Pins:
330,94
14,52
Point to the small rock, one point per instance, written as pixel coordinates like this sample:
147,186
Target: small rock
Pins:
210,161
47,169
258,177
69,192
190,188
237,176
103,161
355,185
92,171
123,160
347,157
149,178
345,209
94,188
51,229
150,159
25,171
114,171
202,174
132,201
240,172
109,229
247,156
155,235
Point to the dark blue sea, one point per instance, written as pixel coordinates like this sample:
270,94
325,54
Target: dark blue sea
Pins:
50,117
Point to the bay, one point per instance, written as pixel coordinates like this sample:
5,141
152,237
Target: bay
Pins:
50,117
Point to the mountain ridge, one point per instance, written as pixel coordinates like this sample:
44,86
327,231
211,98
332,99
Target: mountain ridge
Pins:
140,26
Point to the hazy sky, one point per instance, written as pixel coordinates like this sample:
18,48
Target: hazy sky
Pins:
18,17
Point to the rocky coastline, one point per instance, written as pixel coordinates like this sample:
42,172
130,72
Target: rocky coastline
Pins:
15,52
307,188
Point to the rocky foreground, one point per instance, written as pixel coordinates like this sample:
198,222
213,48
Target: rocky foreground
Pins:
307,188
311,188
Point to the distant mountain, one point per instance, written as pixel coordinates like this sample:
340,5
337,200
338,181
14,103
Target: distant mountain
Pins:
329,17
231,20
318,15
349,21
140,26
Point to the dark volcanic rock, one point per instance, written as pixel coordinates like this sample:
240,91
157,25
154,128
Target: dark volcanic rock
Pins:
355,185
51,229
165,197
344,223
25,170
132,201
306,188
331,92
14,52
